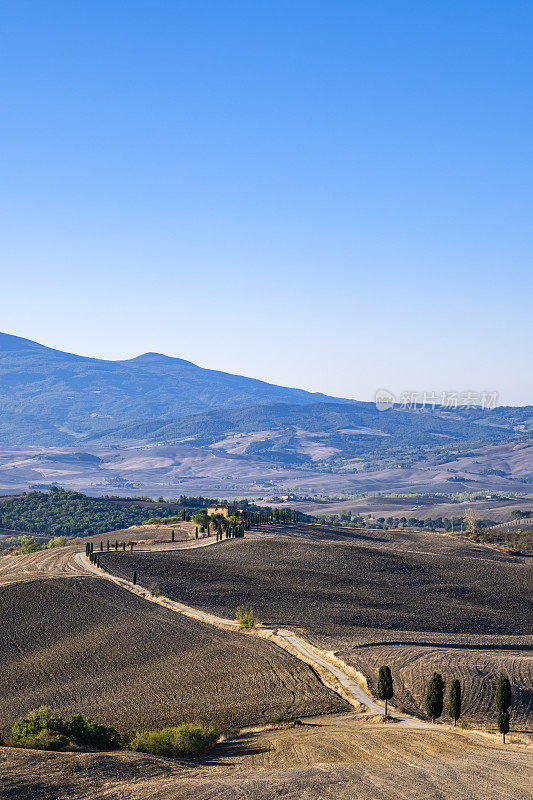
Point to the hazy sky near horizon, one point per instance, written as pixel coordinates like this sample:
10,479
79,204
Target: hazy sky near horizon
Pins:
330,195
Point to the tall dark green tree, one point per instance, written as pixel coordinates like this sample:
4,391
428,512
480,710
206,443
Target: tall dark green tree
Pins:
503,722
455,700
435,696
385,686
503,698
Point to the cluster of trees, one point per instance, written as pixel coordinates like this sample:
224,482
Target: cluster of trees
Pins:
43,730
448,524
29,544
59,512
434,700
244,519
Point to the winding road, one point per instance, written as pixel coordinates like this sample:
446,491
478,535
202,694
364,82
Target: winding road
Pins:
297,645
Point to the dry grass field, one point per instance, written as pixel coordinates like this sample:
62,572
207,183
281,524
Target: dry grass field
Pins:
419,602
83,645
333,758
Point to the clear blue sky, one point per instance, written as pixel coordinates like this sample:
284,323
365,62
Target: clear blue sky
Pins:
333,195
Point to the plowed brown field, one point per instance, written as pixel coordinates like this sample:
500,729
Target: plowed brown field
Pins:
82,644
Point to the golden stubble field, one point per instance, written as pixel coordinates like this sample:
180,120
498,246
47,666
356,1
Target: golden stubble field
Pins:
333,758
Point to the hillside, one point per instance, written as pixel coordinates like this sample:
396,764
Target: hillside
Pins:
418,602
335,436
103,652
48,397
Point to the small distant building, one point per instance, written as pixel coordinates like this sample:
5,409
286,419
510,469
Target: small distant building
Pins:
224,509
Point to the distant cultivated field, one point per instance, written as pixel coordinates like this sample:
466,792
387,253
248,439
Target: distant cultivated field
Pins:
419,602
82,644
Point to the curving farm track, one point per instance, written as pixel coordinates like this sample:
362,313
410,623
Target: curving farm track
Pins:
297,645
70,562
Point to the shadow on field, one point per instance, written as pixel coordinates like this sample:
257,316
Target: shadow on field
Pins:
234,748
32,790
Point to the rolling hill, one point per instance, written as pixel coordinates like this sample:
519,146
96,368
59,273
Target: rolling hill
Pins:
48,397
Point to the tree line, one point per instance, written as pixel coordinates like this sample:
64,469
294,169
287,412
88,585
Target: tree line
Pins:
434,700
59,512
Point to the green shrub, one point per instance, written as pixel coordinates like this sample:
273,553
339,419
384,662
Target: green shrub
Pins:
39,719
57,541
28,545
282,717
184,740
44,740
245,618
83,730
43,729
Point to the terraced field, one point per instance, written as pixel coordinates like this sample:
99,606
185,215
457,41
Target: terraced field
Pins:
82,644
420,603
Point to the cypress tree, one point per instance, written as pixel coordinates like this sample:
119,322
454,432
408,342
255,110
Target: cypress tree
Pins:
101,546
385,686
455,700
435,696
124,546
108,544
116,544
503,700
503,696
131,546
173,534
134,578
196,534
503,722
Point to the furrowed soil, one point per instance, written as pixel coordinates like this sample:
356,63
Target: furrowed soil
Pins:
418,602
333,758
83,645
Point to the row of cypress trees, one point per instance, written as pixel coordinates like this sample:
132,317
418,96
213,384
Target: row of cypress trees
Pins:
434,700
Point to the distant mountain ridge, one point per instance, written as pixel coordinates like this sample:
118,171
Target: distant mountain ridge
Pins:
50,397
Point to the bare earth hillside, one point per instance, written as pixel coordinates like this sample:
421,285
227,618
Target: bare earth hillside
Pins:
333,758
83,645
419,602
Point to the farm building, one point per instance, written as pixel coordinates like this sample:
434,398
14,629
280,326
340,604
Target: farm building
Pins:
225,509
